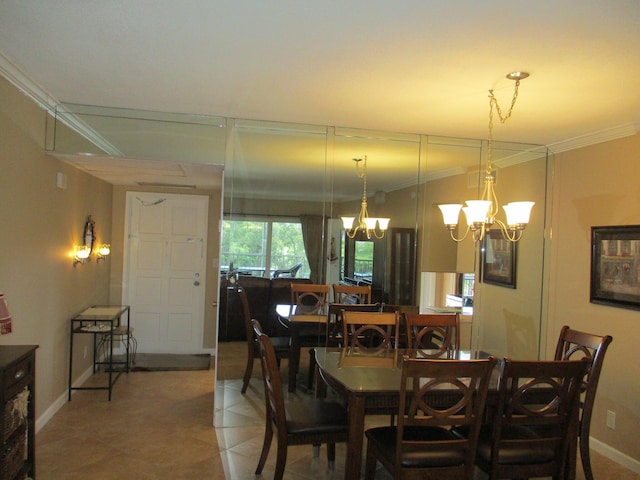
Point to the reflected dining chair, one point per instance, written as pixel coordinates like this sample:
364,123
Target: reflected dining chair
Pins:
334,327
301,422
535,422
433,335
351,293
575,344
308,325
422,445
280,344
370,329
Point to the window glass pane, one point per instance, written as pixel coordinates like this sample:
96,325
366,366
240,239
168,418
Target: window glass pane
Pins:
243,246
287,248
363,261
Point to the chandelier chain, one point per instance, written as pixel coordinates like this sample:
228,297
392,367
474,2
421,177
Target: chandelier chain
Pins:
493,102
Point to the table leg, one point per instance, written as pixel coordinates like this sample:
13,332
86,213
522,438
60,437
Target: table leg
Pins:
355,438
70,360
294,358
110,360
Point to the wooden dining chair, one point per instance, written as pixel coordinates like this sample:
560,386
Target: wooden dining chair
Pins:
301,422
535,421
335,321
308,299
422,445
433,335
573,344
351,293
280,344
370,329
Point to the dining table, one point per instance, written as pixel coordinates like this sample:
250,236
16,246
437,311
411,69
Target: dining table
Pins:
368,382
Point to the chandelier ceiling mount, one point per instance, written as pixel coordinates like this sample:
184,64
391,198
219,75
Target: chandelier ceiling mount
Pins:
481,213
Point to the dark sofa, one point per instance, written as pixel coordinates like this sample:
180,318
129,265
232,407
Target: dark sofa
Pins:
263,295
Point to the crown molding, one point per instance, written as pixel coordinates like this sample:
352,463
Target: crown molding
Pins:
48,102
31,89
52,106
613,133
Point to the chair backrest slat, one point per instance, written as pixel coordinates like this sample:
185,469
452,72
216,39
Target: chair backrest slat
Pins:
370,329
468,381
335,321
309,299
274,398
437,335
350,294
542,397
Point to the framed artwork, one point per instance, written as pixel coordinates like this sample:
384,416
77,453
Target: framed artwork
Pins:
615,266
498,260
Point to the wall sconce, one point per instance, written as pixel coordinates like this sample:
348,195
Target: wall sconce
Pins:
82,255
103,251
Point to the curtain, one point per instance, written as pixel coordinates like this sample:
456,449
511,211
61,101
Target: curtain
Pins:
313,238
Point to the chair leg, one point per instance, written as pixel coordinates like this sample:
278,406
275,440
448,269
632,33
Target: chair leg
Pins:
331,455
266,445
312,368
370,465
247,374
281,460
585,456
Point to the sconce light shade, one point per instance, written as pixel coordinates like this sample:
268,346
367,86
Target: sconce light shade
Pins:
518,213
383,223
82,254
476,211
450,212
103,251
347,222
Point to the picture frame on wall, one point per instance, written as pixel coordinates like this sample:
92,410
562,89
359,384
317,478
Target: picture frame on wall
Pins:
498,260
615,266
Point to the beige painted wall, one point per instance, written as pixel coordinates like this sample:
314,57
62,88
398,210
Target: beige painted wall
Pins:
594,186
41,224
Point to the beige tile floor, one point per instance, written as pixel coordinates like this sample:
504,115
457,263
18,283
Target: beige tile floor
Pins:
159,425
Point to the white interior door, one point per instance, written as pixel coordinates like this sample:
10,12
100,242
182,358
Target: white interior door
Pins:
166,245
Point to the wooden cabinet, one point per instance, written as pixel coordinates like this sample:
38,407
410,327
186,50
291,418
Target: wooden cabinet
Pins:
17,406
402,266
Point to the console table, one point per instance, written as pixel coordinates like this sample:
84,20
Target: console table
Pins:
104,322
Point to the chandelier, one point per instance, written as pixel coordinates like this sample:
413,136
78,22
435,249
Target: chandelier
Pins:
364,223
481,213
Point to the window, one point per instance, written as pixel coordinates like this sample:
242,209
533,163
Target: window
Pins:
259,247
363,261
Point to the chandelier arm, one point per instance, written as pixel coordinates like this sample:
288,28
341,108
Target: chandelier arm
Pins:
510,234
460,239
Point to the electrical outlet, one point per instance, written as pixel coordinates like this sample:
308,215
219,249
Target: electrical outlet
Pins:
611,419
85,352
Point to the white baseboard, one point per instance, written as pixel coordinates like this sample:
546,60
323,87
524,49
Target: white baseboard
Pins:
48,414
615,455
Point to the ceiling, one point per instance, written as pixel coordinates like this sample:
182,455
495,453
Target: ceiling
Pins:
413,66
